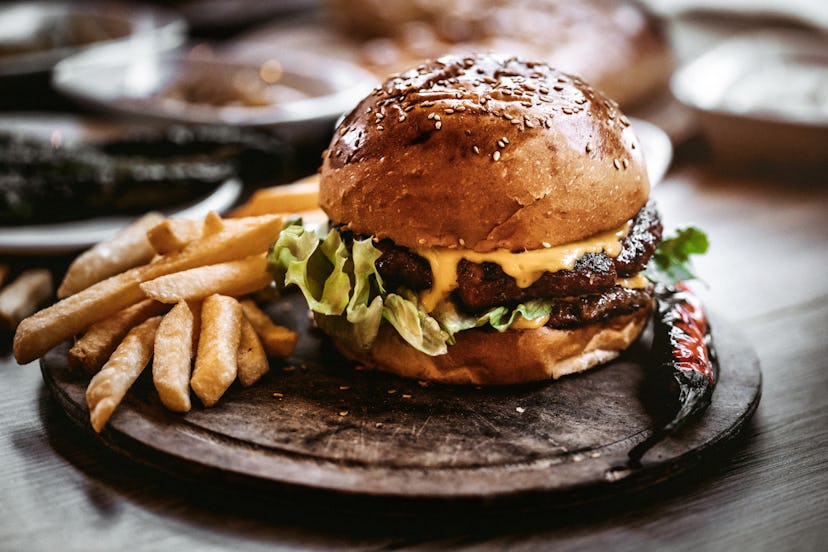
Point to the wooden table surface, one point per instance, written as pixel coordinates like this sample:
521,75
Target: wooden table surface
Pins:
768,490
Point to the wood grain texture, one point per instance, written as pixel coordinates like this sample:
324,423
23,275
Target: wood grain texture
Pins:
331,429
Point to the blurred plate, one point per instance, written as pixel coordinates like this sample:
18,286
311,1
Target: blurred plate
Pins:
72,236
36,35
762,96
657,147
297,92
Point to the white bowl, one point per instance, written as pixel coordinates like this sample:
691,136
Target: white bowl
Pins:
762,97
34,36
312,91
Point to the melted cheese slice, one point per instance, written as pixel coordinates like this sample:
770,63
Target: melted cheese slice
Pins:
633,282
525,267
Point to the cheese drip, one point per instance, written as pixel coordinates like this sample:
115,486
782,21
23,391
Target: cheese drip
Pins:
525,267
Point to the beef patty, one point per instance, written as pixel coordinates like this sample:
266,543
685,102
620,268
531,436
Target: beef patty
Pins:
586,292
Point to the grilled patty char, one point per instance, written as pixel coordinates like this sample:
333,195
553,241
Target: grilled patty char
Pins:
591,282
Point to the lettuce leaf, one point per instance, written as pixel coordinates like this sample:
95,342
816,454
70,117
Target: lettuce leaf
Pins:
415,325
316,268
671,262
499,318
345,289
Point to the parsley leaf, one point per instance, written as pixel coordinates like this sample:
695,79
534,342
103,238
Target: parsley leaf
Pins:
671,262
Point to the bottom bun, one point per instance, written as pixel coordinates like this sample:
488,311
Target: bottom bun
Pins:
515,356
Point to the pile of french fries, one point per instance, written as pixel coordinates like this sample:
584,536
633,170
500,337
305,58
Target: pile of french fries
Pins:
174,292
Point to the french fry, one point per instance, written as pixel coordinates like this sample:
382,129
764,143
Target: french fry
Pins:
23,296
277,340
107,388
216,364
129,248
213,224
42,331
301,195
171,364
91,351
252,359
171,235
230,278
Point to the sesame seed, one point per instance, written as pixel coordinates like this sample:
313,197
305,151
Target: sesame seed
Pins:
557,88
430,116
529,124
343,412
476,150
438,125
547,245
625,162
588,147
462,242
500,144
505,140
515,121
406,396
344,387
616,163
520,409
401,118
496,156
380,127
448,111
421,241
392,391
278,395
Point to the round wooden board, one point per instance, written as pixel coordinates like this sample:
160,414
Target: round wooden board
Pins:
316,426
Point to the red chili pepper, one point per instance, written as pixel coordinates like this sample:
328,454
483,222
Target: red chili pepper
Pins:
682,346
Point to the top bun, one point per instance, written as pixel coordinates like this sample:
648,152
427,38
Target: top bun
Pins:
483,153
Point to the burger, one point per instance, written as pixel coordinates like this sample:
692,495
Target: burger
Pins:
489,225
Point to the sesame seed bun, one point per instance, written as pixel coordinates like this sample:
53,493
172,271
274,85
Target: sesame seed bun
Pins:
483,152
512,357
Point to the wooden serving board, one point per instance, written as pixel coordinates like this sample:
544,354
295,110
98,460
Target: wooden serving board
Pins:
316,426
